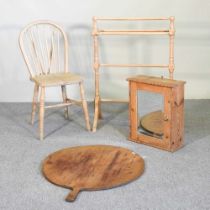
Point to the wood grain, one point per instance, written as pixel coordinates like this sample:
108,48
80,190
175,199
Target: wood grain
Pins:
153,122
56,79
92,168
45,49
173,113
156,81
34,102
99,30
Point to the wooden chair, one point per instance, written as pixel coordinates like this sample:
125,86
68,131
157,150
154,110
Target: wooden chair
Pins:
44,46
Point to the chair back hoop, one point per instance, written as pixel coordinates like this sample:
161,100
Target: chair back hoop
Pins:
44,46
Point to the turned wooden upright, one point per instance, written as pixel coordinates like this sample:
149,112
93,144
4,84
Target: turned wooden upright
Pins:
173,119
101,31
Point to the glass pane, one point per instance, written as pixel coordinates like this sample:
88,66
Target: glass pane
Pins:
150,113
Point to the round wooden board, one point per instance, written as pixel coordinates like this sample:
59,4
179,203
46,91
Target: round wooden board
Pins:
92,168
153,122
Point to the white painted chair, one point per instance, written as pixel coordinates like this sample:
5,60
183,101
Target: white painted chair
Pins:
44,46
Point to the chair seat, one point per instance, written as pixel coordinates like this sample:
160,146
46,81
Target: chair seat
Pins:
54,79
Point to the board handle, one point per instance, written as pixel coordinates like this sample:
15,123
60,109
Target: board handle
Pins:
72,195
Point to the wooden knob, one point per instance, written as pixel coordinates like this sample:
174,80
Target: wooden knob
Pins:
165,117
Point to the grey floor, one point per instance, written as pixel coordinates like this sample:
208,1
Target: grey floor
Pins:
179,180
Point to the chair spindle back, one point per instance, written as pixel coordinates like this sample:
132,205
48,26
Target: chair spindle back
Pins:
44,46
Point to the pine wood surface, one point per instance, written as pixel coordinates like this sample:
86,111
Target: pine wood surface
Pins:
173,113
92,168
99,30
45,49
158,81
153,122
56,79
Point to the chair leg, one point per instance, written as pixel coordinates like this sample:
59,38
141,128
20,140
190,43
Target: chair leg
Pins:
84,105
41,113
34,103
64,94
96,113
99,109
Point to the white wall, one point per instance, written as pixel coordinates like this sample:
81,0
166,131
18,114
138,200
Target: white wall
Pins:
192,43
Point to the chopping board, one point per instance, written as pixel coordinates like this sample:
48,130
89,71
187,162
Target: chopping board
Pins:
153,122
92,168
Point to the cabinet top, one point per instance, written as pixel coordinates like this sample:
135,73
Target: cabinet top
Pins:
158,81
